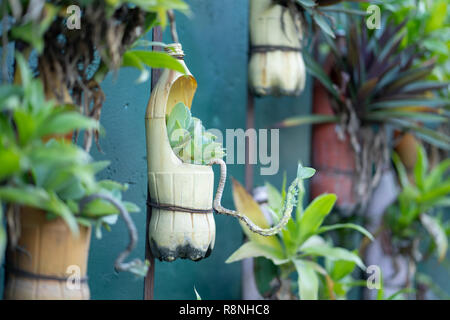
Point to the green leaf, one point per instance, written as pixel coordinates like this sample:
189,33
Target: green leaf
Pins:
27,195
275,201
436,175
155,59
341,269
432,102
323,24
265,272
333,254
197,295
421,168
10,163
308,281
437,16
64,122
252,249
2,235
346,226
437,233
304,172
308,119
318,72
314,215
59,208
26,126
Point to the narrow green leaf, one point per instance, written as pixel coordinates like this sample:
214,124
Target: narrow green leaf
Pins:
333,254
346,226
308,119
252,249
308,281
156,59
421,168
314,215
437,233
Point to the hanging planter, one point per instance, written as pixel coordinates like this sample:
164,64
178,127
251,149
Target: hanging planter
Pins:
47,254
276,65
181,188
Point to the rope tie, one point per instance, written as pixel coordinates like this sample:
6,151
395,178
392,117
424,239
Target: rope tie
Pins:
170,207
267,48
26,274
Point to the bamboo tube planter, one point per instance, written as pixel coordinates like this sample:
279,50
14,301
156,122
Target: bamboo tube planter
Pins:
174,233
37,268
276,64
181,194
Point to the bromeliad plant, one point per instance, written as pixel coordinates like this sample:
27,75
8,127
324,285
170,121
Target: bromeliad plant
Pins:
189,139
419,208
40,169
372,84
301,245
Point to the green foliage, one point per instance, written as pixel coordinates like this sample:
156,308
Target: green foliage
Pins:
189,139
428,24
315,11
373,80
300,247
2,235
55,175
418,205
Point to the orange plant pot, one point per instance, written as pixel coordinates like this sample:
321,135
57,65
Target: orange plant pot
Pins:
47,260
333,158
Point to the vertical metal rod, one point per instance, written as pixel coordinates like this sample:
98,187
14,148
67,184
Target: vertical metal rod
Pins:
249,147
149,282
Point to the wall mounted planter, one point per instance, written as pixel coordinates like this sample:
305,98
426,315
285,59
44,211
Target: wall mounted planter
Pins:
276,65
37,268
174,185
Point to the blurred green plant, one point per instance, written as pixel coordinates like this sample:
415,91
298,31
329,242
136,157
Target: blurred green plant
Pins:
300,246
317,12
73,62
40,169
373,83
418,207
429,26
189,139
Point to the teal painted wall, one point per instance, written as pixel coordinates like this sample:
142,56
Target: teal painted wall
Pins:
215,41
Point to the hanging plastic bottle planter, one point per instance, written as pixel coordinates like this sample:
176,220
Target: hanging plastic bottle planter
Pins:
181,193
276,64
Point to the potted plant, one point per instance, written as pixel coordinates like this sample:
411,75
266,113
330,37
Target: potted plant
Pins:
78,43
413,228
181,181
371,85
428,25
277,28
298,247
52,197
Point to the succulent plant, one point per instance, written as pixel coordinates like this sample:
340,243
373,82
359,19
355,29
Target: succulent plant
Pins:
189,139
